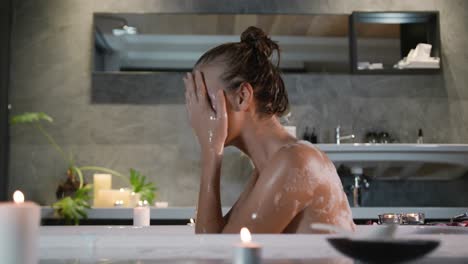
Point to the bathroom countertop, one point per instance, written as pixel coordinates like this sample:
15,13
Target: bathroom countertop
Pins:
183,213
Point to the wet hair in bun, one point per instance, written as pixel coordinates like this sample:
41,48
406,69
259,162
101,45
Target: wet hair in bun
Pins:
250,61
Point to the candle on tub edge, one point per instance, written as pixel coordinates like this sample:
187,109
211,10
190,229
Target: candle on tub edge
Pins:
19,229
247,252
141,214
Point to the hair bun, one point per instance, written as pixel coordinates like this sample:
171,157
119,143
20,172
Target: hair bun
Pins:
252,35
256,38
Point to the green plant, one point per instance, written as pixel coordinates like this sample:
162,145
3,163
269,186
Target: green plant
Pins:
73,208
145,189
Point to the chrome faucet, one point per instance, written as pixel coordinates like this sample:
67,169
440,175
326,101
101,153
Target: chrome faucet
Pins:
338,137
361,183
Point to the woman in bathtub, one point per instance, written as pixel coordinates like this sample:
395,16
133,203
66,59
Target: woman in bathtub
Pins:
234,97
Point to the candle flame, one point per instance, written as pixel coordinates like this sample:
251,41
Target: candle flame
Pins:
245,235
18,197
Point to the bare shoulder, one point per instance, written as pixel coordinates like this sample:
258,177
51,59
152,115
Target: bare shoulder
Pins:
299,163
301,155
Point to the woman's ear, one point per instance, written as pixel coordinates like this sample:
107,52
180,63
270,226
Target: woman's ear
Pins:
245,96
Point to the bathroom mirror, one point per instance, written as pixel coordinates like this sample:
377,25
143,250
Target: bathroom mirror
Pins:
174,42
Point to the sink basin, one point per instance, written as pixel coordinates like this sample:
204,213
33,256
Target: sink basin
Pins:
398,161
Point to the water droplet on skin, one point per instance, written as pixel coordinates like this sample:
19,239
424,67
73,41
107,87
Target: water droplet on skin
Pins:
321,199
277,199
210,136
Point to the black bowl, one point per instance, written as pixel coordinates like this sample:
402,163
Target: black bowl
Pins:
383,251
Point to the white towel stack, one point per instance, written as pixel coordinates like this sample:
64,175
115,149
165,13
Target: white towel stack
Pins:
419,58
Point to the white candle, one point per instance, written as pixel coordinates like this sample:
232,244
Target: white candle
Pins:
19,231
101,182
247,252
191,223
107,198
141,215
124,196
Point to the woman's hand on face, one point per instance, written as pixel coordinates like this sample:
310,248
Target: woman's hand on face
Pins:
207,113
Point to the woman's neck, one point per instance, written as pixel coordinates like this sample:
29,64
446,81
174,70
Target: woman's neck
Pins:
261,139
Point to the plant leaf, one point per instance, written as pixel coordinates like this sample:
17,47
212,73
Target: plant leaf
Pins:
140,185
30,117
73,208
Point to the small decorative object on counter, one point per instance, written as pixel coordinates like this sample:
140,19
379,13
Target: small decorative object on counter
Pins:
390,219
161,204
247,252
384,137
286,124
371,137
413,218
420,139
311,137
141,214
19,231
402,219
306,136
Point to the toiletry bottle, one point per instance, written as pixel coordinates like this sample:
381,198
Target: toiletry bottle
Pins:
290,129
420,137
313,137
306,135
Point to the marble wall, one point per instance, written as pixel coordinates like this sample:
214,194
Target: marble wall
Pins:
139,120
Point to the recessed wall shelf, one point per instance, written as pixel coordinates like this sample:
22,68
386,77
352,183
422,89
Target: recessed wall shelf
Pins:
405,29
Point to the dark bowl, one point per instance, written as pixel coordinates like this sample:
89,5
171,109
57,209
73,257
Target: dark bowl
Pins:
383,251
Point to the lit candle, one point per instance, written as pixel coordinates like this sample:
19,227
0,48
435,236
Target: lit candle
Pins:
101,182
247,252
107,198
141,214
19,230
124,196
191,223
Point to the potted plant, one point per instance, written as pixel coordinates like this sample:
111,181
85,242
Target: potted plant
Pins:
74,194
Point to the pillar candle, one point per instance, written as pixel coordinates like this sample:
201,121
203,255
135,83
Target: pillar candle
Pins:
19,231
141,215
107,198
123,195
101,182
